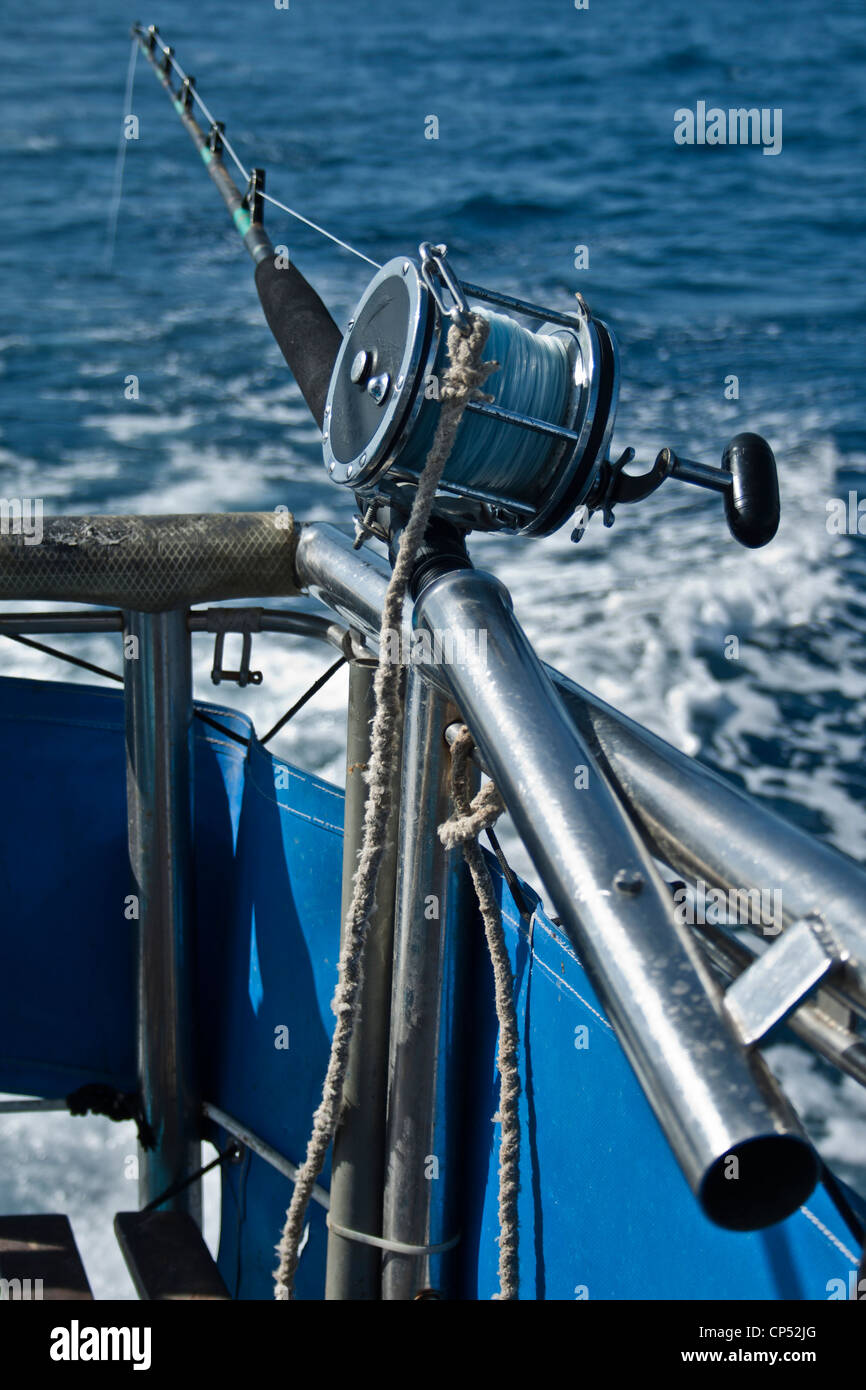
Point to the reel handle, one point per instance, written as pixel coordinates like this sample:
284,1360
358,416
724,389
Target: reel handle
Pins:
747,479
752,500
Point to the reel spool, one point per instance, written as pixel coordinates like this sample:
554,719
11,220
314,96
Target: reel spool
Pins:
523,463
537,453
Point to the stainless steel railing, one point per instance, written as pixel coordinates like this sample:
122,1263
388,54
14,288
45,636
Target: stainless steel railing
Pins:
595,848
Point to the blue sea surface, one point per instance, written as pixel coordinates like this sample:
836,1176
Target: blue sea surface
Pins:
555,130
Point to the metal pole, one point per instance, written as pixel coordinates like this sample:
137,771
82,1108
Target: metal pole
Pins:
249,1140
706,828
427,1025
698,823
358,1169
712,1100
158,691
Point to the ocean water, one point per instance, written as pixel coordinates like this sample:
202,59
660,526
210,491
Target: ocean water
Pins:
556,130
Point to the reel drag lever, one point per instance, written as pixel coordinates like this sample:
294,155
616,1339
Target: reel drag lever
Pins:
747,479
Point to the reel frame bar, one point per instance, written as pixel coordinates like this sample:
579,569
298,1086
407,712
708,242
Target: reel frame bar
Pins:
480,494
523,306
474,494
525,422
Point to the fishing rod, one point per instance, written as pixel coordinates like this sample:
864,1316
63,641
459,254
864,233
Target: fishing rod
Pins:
527,458
306,334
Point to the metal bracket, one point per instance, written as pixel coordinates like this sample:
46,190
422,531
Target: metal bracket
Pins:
780,979
253,200
242,677
374,524
245,621
438,275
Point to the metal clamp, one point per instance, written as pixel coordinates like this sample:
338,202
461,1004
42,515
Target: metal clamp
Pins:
777,981
438,275
399,1247
243,620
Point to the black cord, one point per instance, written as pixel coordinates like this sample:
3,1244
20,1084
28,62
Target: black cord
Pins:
299,704
205,718
510,877
62,656
226,1156
229,733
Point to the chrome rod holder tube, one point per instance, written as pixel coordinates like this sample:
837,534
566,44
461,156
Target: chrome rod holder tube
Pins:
351,582
434,916
158,703
357,1171
695,820
705,828
738,1142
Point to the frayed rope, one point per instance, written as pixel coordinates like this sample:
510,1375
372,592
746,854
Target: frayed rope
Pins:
463,829
461,382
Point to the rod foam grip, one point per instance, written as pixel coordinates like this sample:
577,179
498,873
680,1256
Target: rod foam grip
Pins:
305,332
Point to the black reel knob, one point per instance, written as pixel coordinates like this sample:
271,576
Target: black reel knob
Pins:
747,479
752,500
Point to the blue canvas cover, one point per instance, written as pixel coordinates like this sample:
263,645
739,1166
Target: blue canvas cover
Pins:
604,1210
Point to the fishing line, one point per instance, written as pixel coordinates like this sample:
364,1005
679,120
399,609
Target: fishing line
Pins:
245,172
346,247
169,56
121,155
535,378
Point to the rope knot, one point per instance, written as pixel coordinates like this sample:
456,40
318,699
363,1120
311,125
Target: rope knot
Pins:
470,817
466,373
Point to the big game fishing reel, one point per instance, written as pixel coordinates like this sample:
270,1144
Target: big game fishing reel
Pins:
524,461
534,456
